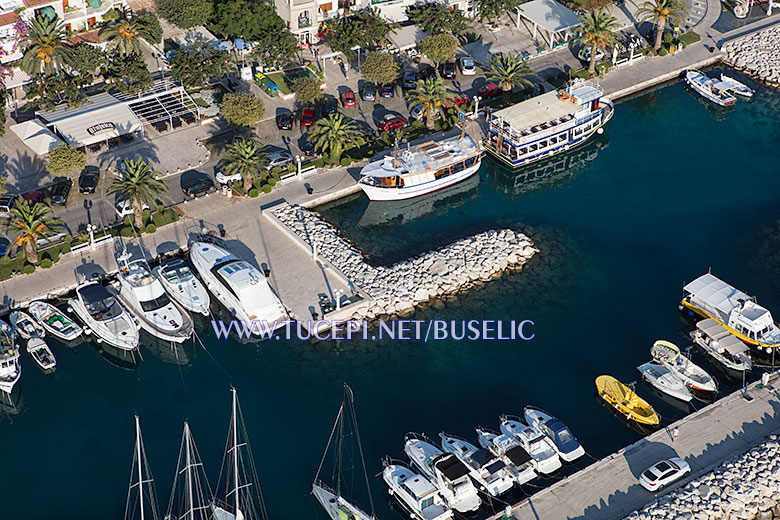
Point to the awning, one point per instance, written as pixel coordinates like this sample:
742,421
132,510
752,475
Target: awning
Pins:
548,15
36,136
17,78
407,37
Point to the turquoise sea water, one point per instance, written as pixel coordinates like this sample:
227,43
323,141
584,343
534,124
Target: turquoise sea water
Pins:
673,188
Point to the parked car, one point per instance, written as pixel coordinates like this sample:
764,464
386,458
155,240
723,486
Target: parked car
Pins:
455,100
60,192
348,98
7,202
89,179
222,177
448,70
306,146
410,80
278,159
34,196
196,184
387,91
308,117
584,54
330,106
124,209
5,244
664,473
284,121
418,114
426,72
369,92
489,90
390,123
467,67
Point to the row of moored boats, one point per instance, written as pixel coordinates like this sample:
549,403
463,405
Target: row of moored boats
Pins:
721,91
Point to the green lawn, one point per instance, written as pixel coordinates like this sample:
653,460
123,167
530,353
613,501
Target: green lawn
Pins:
281,82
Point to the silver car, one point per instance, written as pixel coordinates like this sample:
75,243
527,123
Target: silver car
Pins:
663,473
278,159
467,67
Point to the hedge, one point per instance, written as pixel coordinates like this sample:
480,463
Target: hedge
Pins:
46,263
267,188
151,228
689,38
345,161
253,193
28,269
272,181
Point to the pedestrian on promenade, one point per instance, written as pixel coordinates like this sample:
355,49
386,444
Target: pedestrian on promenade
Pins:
675,434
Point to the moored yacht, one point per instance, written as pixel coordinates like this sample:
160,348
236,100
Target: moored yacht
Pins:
565,443
416,494
10,367
538,446
488,471
25,326
667,354
445,471
183,286
54,321
145,296
664,380
105,316
508,449
725,348
241,288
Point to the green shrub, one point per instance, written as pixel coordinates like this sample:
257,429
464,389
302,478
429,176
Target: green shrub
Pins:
83,236
28,269
689,38
663,51
239,189
272,181
68,239
146,214
277,170
5,260
64,248
267,188
46,263
253,193
319,162
126,231
129,220
667,37
346,161
150,228
160,208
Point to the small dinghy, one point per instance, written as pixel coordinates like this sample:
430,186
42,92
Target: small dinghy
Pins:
564,442
25,326
710,88
668,355
625,401
41,353
661,378
736,87
55,321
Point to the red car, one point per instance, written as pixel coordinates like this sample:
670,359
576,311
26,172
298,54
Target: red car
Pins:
348,98
35,196
457,101
489,90
390,123
307,116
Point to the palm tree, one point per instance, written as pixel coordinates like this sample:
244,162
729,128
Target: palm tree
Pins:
332,134
662,12
123,37
431,94
137,182
245,158
509,71
597,34
45,48
32,222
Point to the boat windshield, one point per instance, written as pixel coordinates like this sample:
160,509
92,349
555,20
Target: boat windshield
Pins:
177,273
157,303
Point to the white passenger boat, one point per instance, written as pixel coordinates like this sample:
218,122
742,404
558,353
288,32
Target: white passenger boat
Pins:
565,443
538,446
105,316
667,354
487,470
508,449
712,89
145,297
445,471
241,288
54,321
10,366
41,353
664,380
183,286
415,493
737,312
736,87
724,347
548,124
25,326
421,169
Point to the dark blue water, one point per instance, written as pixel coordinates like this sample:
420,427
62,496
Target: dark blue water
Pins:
672,188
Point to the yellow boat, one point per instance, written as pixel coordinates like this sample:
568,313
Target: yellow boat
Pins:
625,401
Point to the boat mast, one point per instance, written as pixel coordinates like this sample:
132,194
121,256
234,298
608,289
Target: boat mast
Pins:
235,447
188,462
140,473
341,439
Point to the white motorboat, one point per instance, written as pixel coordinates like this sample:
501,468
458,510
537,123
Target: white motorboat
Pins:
724,347
416,494
445,471
668,355
10,367
565,443
54,321
145,297
664,380
41,353
736,87
421,169
712,89
241,288
488,471
508,448
183,286
105,316
538,446
25,326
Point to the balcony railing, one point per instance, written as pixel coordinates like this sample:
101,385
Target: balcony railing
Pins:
304,22
90,12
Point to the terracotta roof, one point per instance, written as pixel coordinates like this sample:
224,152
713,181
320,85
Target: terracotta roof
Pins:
8,18
36,3
87,37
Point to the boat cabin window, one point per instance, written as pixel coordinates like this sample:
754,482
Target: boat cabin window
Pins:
752,334
542,144
157,303
523,151
428,502
409,491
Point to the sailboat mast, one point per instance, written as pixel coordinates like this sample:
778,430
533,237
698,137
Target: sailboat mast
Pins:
190,510
235,447
341,441
140,473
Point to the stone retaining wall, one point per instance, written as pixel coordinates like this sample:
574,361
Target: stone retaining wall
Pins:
757,55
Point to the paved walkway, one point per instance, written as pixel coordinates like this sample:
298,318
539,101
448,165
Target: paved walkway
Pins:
608,489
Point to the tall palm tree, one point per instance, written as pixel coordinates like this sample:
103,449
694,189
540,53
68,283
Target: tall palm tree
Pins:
431,94
661,12
137,182
45,48
244,157
332,134
509,71
123,37
597,34
32,222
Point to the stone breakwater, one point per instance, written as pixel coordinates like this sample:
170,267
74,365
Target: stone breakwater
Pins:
757,55
746,487
399,288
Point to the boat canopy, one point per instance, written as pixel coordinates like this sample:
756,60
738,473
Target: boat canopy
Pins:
94,293
537,110
518,455
716,293
451,467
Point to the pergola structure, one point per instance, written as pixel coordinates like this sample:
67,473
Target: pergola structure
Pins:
553,18
166,103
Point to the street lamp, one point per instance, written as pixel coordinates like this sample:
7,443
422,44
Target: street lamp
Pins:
477,99
91,230
338,293
298,159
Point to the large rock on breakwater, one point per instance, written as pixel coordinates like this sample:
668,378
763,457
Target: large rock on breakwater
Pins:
398,288
757,54
746,487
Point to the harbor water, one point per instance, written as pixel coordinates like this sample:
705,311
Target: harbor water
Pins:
673,188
